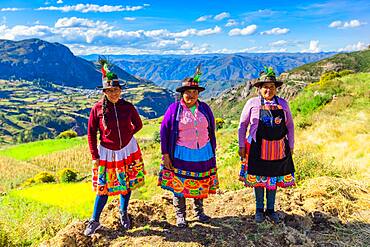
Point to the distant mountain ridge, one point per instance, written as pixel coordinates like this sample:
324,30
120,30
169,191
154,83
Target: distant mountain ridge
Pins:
35,59
220,71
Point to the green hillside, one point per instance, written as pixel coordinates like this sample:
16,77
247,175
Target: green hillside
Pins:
37,110
356,61
231,102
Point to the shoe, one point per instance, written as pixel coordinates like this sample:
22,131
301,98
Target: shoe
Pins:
199,211
92,227
125,221
203,218
260,216
181,222
272,216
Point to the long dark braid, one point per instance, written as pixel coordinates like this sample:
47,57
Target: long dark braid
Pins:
105,101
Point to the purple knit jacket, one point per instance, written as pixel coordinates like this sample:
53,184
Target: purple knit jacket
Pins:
170,127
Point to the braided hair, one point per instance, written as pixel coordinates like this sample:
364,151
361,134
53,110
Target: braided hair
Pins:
105,101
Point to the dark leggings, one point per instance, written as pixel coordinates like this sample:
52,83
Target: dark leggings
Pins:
100,202
270,198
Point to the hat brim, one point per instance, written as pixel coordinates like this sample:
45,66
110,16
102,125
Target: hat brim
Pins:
121,84
184,88
260,83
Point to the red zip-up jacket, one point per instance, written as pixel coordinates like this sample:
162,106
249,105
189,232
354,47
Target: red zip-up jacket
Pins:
123,121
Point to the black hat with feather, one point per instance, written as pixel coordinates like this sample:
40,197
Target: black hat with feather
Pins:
109,79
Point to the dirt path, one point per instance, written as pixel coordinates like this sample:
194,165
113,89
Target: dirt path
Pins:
308,219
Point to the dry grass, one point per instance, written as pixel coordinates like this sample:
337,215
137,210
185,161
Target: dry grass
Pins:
348,199
14,172
77,158
340,135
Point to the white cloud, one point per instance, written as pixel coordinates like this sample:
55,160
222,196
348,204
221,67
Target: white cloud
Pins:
231,23
177,47
157,33
166,43
79,22
85,8
75,30
245,31
279,43
354,47
195,32
222,16
314,47
60,2
21,31
352,24
335,24
346,24
10,9
129,18
275,31
203,18
209,31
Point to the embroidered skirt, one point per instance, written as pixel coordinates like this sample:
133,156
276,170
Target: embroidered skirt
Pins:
270,183
118,171
194,174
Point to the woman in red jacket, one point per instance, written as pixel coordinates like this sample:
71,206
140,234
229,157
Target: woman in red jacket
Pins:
117,163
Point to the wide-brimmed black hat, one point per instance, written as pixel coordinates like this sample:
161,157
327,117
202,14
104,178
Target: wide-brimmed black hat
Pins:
267,75
191,82
109,79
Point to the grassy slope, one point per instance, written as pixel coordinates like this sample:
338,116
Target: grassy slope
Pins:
29,150
329,144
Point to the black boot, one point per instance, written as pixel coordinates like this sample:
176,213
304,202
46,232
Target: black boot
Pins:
260,215
272,216
125,220
180,207
199,211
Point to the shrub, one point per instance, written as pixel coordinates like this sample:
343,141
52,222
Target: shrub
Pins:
67,175
219,123
44,177
68,134
156,136
308,102
28,182
346,72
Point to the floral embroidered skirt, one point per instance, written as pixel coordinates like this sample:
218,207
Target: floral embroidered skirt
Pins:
194,174
270,183
118,171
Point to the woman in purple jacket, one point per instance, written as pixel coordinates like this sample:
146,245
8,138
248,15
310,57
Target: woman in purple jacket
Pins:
266,152
188,146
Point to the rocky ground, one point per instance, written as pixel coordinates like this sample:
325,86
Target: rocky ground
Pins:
336,213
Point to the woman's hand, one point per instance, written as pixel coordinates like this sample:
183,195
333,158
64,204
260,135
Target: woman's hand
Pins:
167,162
242,152
95,163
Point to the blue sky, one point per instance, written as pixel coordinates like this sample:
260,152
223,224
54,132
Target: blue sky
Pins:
189,27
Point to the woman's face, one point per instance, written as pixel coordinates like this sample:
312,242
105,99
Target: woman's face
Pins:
190,97
268,90
113,94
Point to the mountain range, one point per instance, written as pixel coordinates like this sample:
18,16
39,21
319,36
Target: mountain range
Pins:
220,71
35,59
